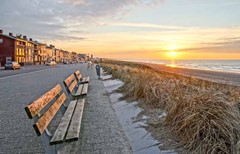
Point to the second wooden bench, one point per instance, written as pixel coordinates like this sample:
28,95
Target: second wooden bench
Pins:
74,88
81,78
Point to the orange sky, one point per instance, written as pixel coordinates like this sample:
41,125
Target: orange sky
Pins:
188,43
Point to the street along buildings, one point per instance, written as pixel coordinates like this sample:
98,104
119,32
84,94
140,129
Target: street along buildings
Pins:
27,52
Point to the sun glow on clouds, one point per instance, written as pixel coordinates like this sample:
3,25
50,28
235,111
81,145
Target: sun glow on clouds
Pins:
143,39
147,25
129,28
151,43
147,44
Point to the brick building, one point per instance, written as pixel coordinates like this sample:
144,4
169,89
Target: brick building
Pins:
51,53
66,56
7,48
59,55
40,53
15,48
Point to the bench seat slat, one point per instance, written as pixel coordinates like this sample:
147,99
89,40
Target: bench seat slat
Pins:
85,79
79,90
61,131
35,107
74,128
43,122
85,89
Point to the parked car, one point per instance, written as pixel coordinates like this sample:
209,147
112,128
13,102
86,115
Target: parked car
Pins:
12,65
51,63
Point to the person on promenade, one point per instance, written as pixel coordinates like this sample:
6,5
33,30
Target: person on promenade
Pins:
90,64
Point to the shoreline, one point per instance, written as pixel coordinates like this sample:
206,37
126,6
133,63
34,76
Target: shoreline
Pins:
170,64
230,78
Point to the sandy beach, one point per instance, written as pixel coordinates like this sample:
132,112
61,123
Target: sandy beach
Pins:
214,76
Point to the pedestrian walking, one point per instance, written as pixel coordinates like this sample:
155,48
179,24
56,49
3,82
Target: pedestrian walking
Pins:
89,65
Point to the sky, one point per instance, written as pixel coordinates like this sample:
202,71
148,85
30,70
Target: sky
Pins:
130,29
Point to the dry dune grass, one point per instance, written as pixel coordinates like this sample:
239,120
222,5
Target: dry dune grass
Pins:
204,116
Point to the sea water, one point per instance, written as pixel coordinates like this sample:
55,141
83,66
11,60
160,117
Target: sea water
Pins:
213,65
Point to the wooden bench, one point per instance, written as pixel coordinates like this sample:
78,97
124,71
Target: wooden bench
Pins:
43,111
80,77
74,88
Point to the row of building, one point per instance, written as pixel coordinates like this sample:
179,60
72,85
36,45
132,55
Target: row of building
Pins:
27,51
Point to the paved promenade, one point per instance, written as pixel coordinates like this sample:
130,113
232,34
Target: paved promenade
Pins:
100,131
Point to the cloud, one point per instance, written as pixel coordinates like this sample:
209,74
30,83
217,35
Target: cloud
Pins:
126,52
100,24
59,37
41,18
224,47
224,43
74,2
148,25
154,2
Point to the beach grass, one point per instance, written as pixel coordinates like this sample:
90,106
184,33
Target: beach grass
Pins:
203,116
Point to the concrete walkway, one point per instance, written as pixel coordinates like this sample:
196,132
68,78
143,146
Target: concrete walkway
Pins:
100,133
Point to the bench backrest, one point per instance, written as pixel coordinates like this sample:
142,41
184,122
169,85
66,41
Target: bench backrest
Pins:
49,104
70,83
78,74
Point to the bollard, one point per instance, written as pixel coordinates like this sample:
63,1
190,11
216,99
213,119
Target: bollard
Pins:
98,70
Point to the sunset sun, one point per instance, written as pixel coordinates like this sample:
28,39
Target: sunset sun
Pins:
172,54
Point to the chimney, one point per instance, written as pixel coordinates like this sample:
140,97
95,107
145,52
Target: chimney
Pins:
19,35
10,34
1,31
25,37
30,39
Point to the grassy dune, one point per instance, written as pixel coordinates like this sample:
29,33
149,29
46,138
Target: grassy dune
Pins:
203,116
